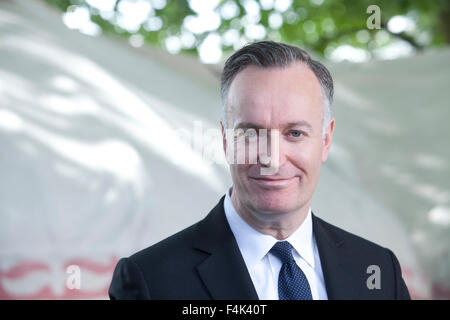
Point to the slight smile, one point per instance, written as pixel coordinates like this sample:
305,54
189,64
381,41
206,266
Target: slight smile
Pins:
271,182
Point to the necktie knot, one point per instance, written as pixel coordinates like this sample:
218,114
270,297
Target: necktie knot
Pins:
283,251
292,282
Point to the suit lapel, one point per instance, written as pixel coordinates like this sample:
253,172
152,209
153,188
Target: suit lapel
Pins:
224,272
338,281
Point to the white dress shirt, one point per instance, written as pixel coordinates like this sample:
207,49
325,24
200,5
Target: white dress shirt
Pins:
263,266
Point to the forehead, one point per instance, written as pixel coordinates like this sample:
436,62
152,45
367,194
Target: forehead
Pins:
272,96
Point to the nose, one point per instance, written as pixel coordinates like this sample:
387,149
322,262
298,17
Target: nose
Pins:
270,163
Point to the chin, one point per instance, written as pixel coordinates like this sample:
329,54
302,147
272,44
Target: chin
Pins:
275,204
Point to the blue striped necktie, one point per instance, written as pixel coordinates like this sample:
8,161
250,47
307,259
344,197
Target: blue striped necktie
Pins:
292,282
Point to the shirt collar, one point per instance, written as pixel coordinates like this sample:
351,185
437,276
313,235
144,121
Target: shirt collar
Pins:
254,245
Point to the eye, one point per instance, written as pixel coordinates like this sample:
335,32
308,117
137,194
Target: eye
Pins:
250,133
295,133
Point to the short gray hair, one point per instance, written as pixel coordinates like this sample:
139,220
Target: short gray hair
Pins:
266,54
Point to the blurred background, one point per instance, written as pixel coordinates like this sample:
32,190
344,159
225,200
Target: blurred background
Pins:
110,141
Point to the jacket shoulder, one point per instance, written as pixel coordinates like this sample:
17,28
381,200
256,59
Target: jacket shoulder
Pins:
164,270
172,247
348,239
360,256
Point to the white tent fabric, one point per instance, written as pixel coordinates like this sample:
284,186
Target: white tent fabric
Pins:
92,167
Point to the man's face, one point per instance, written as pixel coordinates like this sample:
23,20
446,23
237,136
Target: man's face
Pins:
290,100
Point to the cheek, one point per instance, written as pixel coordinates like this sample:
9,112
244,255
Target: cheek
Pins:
244,151
306,157
239,173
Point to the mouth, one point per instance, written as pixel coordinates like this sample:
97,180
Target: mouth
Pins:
272,182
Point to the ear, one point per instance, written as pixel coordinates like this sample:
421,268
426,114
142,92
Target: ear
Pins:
327,141
224,140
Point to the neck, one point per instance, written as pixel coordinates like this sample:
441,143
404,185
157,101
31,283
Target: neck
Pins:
279,225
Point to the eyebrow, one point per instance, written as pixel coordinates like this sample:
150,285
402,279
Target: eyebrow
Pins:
245,125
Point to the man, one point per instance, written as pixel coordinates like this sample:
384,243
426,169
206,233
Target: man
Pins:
262,241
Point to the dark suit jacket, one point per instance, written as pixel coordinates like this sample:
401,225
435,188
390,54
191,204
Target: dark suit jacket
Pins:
203,261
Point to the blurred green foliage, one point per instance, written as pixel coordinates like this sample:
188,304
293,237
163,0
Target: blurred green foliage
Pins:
319,25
